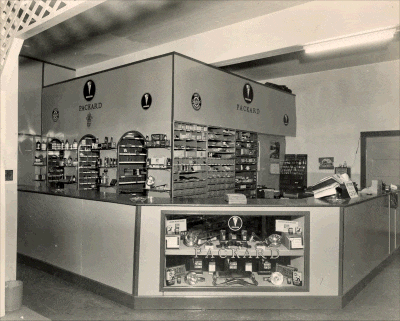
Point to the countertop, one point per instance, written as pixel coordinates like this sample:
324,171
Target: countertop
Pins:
128,199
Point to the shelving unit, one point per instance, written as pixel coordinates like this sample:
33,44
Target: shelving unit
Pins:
88,171
189,174
220,161
246,163
132,160
40,159
238,263
55,161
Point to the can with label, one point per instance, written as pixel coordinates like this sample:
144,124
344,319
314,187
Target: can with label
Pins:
170,277
222,235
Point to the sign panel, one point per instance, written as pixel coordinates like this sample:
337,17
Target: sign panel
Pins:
230,101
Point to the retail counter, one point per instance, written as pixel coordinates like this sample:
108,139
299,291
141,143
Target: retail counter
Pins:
129,250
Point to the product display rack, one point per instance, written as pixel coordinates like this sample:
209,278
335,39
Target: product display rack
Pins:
293,175
55,161
246,163
220,161
190,160
40,158
201,253
107,164
132,162
88,155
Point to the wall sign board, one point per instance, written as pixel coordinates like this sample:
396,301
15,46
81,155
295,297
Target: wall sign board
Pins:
146,101
55,114
232,102
89,90
196,101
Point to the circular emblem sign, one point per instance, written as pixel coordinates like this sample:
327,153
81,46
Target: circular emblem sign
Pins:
286,119
196,101
248,93
146,101
89,90
55,114
235,223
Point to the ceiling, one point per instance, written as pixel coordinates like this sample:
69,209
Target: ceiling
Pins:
116,28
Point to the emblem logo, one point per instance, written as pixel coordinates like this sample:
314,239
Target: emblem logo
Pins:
89,118
196,101
286,119
146,101
248,93
235,223
55,114
89,90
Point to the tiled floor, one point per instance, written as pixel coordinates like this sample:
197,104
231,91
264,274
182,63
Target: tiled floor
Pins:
59,300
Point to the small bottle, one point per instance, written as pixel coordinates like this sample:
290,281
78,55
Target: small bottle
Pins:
44,145
38,145
73,178
66,145
75,144
62,145
113,144
105,178
344,164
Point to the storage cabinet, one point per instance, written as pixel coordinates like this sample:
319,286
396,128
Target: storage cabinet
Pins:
235,251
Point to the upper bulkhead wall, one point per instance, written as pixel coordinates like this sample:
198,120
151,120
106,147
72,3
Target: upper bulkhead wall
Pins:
110,103
206,95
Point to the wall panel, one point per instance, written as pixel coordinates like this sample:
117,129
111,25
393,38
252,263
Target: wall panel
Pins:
119,93
223,104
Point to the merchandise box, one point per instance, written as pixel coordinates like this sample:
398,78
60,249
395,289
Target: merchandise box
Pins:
292,241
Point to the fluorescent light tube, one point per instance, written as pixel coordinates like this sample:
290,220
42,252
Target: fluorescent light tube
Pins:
350,41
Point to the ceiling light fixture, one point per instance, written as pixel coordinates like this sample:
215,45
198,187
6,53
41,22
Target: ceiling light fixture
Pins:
376,36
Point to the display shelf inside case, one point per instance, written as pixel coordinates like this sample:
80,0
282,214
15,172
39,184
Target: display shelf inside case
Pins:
132,161
229,251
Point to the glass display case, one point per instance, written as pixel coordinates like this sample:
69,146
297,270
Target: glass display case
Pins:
235,251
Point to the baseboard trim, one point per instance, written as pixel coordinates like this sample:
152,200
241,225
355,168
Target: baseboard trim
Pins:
79,280
245,302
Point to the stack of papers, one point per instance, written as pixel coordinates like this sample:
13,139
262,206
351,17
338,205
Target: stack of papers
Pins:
327,186
236,198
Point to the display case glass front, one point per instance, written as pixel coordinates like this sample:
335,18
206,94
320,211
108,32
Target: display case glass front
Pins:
235,251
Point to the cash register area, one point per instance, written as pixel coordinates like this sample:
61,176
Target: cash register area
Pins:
46,297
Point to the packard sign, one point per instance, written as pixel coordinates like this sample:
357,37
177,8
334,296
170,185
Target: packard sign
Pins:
89,90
